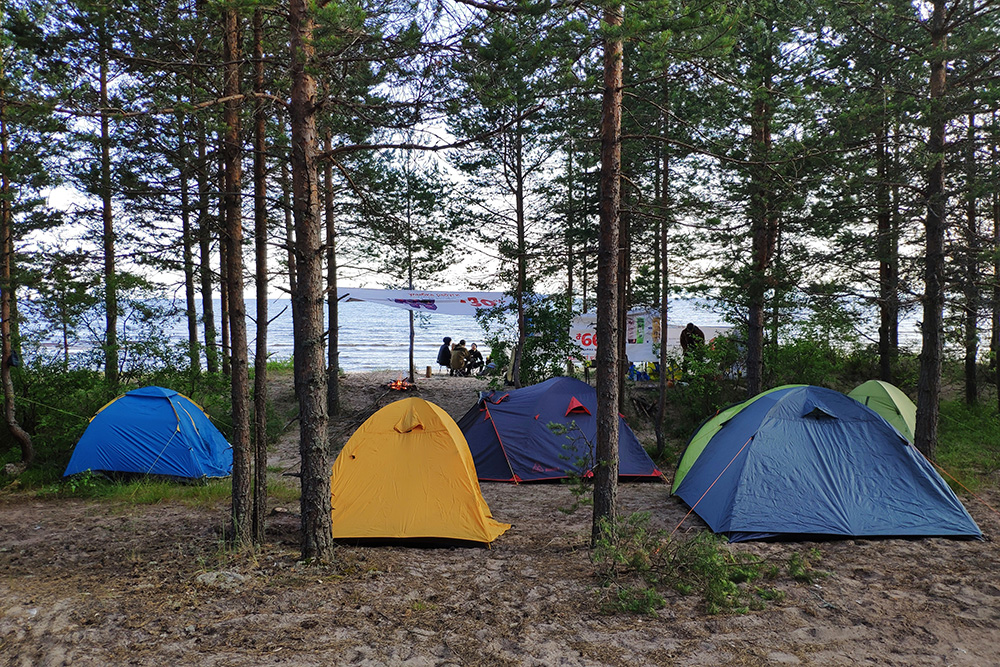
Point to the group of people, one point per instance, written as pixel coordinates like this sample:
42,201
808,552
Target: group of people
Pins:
459,359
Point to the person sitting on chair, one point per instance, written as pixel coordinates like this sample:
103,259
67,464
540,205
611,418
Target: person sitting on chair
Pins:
474,361
458,357
444,354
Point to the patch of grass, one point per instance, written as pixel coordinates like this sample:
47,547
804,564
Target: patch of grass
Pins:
281,364
636,565
146,491
968,438
284,491
151,491
801,566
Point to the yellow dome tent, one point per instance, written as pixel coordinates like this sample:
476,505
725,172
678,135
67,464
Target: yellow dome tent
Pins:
407,473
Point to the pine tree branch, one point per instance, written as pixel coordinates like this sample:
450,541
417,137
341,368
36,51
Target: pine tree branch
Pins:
354,148
121,113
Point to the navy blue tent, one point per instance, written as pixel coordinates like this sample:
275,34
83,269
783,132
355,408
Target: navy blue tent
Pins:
805,460
511,441
153,431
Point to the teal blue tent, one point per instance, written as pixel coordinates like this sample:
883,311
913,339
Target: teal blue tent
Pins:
153,431
801,461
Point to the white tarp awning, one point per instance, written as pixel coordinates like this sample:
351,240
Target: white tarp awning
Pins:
442,302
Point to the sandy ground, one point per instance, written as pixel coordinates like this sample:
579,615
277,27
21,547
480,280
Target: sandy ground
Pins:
98,583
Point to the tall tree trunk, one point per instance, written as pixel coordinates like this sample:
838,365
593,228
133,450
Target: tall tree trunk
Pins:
885,249
333,304
522,255
7,285
259,519
307,301
187,240
661,403
897,224
584,287
205,226
763,223
971,282
570,242
108,233
995,334
224,286
624,231
409,267
240,383
929,383
286,207
606,463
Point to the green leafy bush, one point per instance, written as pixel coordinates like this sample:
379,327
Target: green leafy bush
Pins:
635,564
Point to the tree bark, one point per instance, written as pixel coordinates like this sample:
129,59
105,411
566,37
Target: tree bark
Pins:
307,300
763,223
522,256
971,282
187,237
409,268
624,233
929,383
7,289
108,233
570,241
661,403
606,463
887,254
333,305
995,335
205,225
286,201
224,286
242,502
259,519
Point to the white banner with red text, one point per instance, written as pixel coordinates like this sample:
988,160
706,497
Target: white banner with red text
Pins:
642,343
443,302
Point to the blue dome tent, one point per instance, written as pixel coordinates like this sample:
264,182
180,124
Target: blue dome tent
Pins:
802,460
153,431
510,439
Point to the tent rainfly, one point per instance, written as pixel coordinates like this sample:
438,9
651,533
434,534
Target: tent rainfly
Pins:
803,460
152,431
887,400
407,473
511,441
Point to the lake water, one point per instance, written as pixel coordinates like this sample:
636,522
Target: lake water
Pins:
376,337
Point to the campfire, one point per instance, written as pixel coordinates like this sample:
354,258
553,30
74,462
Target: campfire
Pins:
401,384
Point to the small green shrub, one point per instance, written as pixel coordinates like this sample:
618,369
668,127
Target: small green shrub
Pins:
579,455
635,564
801,566
643,600
802,361
86,484
281,364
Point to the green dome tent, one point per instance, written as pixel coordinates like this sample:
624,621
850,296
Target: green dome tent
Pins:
888,401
